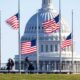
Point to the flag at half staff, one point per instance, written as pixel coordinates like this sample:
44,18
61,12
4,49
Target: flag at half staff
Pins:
13,21
28,47
51,25
67,42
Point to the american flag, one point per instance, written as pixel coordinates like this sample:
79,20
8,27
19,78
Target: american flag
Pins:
50,26
28,47
67,42
13,21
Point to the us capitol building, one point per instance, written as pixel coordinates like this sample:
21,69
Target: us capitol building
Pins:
49,44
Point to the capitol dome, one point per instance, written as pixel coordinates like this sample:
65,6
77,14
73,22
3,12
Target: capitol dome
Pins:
43,15
46,13
48,44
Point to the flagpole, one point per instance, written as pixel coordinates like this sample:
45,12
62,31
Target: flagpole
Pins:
60,34
72,43
0,39
37,43
19,42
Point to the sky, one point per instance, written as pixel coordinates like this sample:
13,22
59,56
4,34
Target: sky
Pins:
9,37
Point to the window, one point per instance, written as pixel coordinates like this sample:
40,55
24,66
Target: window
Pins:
39,27
46,38
41,38
42,48
42,28
56,47
56,38
51,48
46,48
35,27
32,27
51,38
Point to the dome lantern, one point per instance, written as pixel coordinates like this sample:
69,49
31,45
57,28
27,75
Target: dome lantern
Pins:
47,4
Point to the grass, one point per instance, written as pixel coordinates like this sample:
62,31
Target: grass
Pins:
39,77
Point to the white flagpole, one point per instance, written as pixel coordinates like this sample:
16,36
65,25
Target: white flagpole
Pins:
37,43
0,39
72,43
19,41
60,35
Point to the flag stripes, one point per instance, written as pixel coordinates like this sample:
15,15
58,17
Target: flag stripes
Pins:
67,42
50,26
28,47
13,21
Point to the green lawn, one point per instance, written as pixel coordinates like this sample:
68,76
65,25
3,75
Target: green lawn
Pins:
39,77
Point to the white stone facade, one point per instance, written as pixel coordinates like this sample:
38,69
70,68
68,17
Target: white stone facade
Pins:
49,44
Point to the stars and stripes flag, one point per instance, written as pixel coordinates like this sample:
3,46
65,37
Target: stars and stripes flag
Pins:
67,42
51,25
13,21
28,47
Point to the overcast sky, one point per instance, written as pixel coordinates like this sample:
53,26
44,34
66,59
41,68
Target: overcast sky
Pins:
9,37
